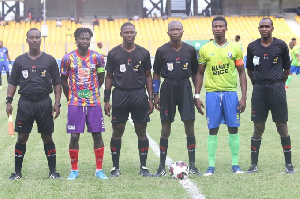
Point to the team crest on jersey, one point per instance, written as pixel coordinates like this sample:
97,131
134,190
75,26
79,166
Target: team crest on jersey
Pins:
122,68
43,73
178,60
266,56
25,73
136,67
275,60
170,66
33,69
185,66
229,55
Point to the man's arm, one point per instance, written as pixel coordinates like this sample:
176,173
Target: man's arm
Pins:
149,86
156,81
243,84
107,92
11,90
100,78
65,85
8,57
198,85
286,73
57,94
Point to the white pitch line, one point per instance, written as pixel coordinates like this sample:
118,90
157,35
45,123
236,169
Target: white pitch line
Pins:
186,183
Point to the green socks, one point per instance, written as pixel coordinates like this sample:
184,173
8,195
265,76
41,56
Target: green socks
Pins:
234,144
212,143
288,80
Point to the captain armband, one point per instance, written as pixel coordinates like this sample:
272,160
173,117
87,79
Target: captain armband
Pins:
100,70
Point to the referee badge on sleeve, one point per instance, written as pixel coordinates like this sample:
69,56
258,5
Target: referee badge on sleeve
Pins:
122,68
170,66
25,73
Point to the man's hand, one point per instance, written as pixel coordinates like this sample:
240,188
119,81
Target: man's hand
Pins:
151,106
9,109
242,105
199,105
56,109
107,108
157,102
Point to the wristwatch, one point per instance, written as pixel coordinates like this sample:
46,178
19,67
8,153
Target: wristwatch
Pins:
58,104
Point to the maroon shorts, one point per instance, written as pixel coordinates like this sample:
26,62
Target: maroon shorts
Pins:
78,116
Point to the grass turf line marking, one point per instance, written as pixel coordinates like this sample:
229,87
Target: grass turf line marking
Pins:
187,184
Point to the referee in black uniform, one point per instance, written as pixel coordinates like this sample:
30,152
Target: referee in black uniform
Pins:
176,62
268,66
35,72
129,71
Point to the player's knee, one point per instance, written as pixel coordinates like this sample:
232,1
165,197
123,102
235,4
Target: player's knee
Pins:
47,139
282,129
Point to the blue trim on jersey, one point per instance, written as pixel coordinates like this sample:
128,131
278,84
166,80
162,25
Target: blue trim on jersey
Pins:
221,108
219,45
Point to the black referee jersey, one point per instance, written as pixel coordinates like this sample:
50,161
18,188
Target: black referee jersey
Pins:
268,62
35,77
175,65
128,68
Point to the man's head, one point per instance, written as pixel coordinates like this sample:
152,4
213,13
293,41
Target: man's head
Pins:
265,27
100,45
219,26
1,44
83,38
34,39
237,38
128,33
175,30
294,41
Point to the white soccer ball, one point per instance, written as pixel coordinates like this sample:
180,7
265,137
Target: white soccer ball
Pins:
179,170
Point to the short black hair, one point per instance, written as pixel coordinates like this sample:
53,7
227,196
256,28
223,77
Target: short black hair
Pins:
219,18
127,24
294,39
267,18
79,31
31,29
238,37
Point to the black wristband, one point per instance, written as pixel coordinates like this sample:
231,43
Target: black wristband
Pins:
9,100
107,95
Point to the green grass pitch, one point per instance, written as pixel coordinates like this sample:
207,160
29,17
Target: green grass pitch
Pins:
270,182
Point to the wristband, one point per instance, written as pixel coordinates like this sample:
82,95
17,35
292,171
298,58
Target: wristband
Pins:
9,100
151,97
107,95
58,104
197,96
156,84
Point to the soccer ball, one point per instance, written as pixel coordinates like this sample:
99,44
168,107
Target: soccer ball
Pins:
179,170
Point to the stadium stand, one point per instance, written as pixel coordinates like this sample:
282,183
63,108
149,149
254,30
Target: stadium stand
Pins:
151,34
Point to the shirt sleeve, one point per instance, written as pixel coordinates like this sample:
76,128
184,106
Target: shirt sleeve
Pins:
65,64
202,58
110,63
249,64
147,64
194,62
286,64
55,76
14,78
157,62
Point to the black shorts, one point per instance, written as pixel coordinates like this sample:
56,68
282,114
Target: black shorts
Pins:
29,111
267,97
178,93
130,101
